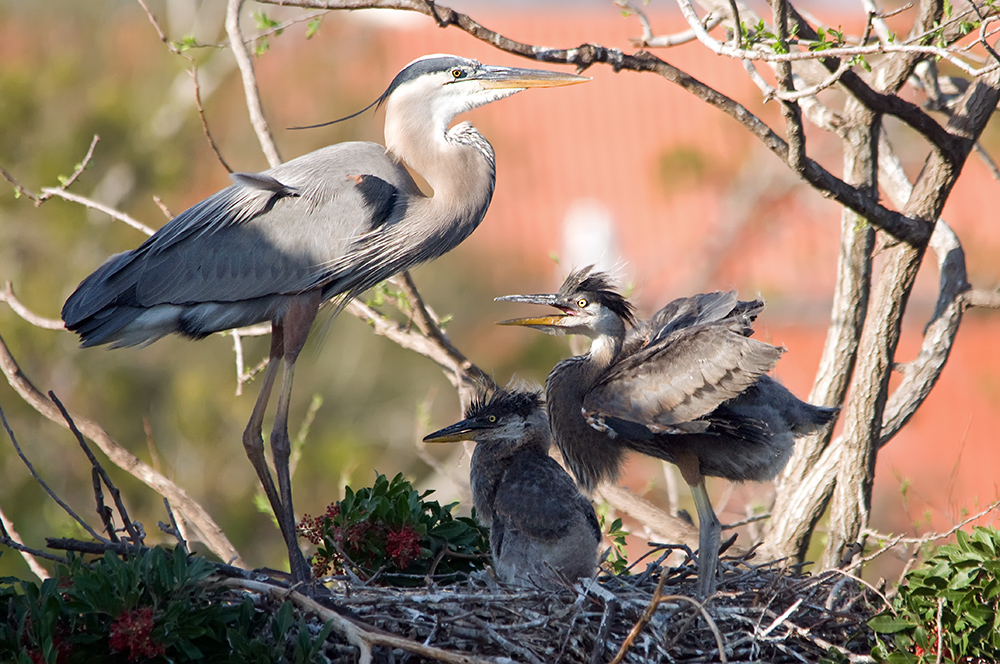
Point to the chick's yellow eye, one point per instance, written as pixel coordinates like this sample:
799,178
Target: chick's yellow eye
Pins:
491,419
582,302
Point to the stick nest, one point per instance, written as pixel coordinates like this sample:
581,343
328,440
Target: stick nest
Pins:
760,613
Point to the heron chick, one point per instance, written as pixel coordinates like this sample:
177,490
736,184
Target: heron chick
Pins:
274,246
541,526
688,386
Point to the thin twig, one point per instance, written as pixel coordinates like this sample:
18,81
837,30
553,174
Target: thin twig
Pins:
204,121
163,207
101,207
721,48
920,541
940,631
116,495
20,189
647,615
214,537
175,528
49,192
7,295
52,494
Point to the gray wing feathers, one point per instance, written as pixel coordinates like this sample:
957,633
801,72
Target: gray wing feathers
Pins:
683,378
268,233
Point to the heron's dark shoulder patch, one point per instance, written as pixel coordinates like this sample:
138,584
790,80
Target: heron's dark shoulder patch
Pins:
380,198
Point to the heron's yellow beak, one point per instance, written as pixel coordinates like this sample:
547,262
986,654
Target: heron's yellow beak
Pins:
506,78
464,430
543,321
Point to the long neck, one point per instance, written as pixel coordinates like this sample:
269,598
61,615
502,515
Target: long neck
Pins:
590,454
457,164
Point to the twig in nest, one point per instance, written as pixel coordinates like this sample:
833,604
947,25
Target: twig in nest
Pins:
601,640
361,636
647,615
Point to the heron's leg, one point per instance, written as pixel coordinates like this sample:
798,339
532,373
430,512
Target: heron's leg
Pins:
709,528
296,322
253,440
709,532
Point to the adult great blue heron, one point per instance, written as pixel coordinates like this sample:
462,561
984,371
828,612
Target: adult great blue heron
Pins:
274,246
687,386
540,524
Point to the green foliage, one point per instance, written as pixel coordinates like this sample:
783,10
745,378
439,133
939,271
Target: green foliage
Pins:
186,43
389,533
268,26
617,561
962,582
859,59
155,605
828,38
313,27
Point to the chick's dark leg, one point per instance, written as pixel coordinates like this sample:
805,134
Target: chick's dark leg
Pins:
709,528
709,534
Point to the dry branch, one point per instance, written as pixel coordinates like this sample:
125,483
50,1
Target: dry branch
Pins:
213,536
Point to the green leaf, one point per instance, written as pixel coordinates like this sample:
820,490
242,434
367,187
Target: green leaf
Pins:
889,624
312,27
186,43
263,21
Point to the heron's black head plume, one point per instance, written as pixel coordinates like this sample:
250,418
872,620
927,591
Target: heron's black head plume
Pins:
419,67
504,403
598,285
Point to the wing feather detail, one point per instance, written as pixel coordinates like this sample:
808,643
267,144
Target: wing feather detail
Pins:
683,377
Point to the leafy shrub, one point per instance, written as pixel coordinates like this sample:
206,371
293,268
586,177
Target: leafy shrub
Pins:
390,534
963,579
153,606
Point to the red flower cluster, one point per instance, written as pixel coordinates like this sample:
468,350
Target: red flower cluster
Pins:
931,651
365,543
132,631
312,528
403,546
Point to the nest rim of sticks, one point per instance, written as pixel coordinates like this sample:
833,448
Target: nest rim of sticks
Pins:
761,612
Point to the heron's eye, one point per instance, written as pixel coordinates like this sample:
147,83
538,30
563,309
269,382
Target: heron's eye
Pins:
582,303
457,73
492,419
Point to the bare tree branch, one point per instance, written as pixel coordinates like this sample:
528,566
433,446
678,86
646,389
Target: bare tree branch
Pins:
464,375
94,205
7,295
134,534
982,298
245,63
212,534
45,487
10,537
